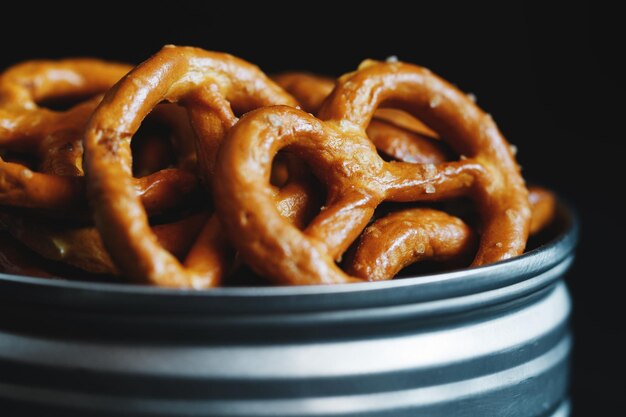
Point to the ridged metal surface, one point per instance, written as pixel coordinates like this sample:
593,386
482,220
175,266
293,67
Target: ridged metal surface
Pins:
489,341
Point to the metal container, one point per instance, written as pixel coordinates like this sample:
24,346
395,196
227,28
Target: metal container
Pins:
487,341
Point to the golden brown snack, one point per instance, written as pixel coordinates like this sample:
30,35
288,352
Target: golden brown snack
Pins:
344,159
404,237
207,84
501,194
413,235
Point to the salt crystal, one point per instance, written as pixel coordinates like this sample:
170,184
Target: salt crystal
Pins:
435,101
421,248
392,59
472,97
499,244
275,120
429,170
513,149
430,189
27,173
511,214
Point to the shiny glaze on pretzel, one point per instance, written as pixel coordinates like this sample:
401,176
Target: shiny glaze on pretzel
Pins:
404,237
213,88
344,159
422,234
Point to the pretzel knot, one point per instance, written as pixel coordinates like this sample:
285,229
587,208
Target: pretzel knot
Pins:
358,180
208,84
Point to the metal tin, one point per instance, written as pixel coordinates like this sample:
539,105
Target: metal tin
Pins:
487,341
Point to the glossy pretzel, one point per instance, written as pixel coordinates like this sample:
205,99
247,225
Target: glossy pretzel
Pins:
411,235
402,137
55,137
339,152
208,84
404,237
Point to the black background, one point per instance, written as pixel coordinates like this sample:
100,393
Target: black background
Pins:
549,75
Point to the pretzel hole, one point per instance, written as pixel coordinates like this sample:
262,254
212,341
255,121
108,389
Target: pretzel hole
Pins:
398,136
299,194
64,102
29,160
152,147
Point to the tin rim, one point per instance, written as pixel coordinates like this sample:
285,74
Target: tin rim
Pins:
532,264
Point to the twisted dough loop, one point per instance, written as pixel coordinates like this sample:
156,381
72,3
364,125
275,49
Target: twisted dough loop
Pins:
357,179
208,84
404,237
470,132
408,236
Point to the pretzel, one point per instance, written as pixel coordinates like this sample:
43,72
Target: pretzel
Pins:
409,235
395,133
56,137
404,237
207,84
358,179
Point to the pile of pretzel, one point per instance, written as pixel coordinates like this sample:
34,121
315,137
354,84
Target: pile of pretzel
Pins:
299,179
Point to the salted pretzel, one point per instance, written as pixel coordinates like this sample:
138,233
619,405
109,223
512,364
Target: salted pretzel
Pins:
207,84
411,235
56,136
401,136
407,236
338,150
